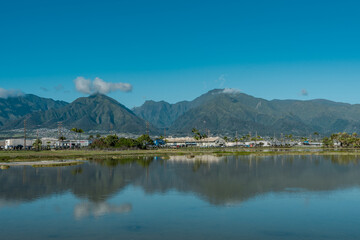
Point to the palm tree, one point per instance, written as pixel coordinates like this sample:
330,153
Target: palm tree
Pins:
62,138
79,131
317,135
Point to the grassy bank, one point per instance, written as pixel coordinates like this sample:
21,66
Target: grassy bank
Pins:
11,156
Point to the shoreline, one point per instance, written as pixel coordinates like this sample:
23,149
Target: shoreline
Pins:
87,154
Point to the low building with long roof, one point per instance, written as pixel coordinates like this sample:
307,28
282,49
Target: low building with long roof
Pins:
190,141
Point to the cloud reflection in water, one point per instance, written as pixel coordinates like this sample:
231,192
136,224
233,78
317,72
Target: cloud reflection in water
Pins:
86,209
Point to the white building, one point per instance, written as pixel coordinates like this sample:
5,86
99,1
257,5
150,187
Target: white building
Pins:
261,143
190,141
73,143
14,142
49,142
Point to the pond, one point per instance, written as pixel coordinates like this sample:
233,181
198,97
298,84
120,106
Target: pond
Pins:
180,197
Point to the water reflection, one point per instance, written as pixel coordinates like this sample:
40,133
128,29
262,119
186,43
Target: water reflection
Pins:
199,158
86,209
218,180
187,197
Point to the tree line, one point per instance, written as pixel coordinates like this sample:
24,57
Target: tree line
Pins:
342,139
113,141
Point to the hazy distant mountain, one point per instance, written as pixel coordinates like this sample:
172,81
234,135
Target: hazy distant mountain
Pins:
96,112
16,107
225,112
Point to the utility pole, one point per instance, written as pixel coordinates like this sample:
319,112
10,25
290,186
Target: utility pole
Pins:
37,139
274,141
59,129
25,134
255,137
59,132
236,137
164,134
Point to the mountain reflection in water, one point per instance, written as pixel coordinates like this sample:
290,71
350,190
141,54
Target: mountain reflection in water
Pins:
217,180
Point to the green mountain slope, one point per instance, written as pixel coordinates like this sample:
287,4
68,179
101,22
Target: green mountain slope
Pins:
96,112
225,112
161,114
13,108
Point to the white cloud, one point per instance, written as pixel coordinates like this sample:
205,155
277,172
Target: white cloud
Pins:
10,93
83,85
231,91
304,92
99,86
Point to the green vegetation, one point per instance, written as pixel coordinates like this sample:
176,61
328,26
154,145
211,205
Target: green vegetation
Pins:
96,112
79,131
18,107
227,113
58,164
37,144
197,134
113,141
114,153
343,139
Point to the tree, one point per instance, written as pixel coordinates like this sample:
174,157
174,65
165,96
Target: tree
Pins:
37,144
111,140
327,142
62,138
198,135
126,143
79,131
316,134
144,140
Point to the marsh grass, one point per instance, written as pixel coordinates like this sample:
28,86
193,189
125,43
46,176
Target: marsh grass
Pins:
20,156
57,164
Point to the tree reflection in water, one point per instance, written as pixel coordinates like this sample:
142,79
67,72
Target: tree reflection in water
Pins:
220,180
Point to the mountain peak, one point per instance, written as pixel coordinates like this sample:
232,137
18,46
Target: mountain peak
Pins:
98,95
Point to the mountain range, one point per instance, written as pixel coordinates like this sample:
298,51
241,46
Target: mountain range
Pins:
13,108
96,112
220,111
225,112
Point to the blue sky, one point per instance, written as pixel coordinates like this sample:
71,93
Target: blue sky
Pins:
177,50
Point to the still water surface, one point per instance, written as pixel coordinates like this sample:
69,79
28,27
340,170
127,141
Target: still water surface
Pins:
207,197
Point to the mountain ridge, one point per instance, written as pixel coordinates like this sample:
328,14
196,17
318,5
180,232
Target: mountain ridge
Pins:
219,111
225,113
13,108
96,112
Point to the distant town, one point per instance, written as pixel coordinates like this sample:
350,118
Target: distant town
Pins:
76,139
